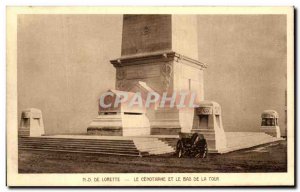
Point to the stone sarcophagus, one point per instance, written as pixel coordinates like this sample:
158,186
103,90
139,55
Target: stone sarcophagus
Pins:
31,123
120,119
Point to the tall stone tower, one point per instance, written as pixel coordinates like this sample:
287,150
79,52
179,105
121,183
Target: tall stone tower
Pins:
162,51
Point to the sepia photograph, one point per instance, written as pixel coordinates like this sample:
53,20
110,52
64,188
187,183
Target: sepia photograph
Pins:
174,96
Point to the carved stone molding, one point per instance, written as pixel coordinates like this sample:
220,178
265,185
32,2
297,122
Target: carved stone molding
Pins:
162,56
204,110
120,74
120,85
166,71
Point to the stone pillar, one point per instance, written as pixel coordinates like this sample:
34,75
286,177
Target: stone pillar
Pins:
269,123
162,51
209,123
31,123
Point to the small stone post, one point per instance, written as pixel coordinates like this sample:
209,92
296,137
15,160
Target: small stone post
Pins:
269,123
211,126
31,123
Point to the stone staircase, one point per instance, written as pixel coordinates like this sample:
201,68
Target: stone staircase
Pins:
107,145
170,141
132,146
95,146
153,146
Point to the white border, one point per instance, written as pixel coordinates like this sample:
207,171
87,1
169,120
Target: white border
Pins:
4,3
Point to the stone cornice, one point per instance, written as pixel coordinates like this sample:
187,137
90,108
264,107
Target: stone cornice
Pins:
155,57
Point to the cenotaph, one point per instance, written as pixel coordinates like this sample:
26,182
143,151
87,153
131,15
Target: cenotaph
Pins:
122,120
162,52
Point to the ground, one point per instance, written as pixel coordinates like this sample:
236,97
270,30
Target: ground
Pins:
265,158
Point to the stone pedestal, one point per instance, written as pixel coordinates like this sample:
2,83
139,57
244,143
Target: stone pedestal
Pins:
31,123
165,122
269,123
209,124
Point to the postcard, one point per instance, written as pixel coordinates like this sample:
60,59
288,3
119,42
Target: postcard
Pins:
150,96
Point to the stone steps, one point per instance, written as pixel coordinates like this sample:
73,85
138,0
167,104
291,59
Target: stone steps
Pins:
84,149
172,142
97,146
153,146
76,139
113,146
81,151
124,148
90,144
132,146
81,145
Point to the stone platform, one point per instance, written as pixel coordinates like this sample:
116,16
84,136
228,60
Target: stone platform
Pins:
106,145
243,140
134,145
